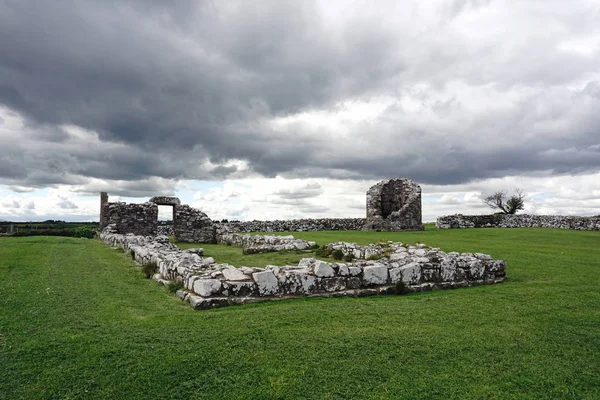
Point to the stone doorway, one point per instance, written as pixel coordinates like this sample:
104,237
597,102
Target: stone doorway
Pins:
166,220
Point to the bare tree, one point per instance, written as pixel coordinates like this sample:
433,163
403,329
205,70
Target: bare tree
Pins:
507,205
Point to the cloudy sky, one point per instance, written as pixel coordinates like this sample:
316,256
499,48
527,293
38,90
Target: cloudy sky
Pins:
289,109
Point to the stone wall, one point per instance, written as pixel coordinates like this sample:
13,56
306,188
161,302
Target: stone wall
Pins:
518,221
192,225
391,206
189,224
394,205
253,244
139,219
103,202
357,251
295,225
208,284
165,201
164,230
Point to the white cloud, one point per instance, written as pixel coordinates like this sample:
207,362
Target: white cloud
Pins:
279,198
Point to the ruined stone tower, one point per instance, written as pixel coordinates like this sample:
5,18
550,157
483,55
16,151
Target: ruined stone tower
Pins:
394,205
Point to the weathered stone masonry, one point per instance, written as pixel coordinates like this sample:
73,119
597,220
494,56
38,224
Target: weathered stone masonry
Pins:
296,225
253,244
394,205
518,221
141,219
192,225
405,268
387,268
189,224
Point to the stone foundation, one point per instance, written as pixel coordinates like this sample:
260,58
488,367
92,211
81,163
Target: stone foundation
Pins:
253,244
518,221
405,269
357,251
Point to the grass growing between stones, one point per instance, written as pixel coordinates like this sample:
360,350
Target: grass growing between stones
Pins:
78,320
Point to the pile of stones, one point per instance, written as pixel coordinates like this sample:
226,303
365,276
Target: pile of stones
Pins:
208,284
518,221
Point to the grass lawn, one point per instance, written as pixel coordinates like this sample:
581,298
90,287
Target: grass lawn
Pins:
78,320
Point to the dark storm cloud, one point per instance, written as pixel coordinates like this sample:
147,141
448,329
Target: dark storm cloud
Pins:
178,89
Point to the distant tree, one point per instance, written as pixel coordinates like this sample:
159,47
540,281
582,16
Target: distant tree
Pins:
507,205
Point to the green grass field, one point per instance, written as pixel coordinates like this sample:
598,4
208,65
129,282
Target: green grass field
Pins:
78,320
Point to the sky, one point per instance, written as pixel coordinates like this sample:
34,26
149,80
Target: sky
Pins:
293,109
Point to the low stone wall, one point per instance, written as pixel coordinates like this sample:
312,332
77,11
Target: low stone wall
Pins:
518,221
209,284
263,244
296,225
357,251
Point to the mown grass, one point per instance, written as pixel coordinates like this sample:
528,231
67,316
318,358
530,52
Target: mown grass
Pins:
78,320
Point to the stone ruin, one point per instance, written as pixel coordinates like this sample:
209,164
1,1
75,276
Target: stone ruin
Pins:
382,268
394,205
189,224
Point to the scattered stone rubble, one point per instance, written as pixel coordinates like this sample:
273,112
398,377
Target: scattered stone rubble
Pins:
518,221
253,244
405,269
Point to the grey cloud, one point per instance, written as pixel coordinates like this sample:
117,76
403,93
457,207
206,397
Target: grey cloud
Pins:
139,188
170,86
456,7
11,204
21,189
67,205
307,191
313,209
